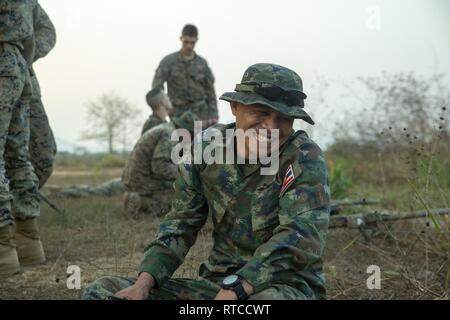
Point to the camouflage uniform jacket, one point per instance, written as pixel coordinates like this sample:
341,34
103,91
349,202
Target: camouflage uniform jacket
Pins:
264,233
44,33
149,167
190,85
16,20
151,122
16,37
44,40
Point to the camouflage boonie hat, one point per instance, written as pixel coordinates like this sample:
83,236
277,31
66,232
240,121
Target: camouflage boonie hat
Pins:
276,77
186,121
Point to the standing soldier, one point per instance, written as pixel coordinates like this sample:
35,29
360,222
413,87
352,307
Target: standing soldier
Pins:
18,183
190,81
42,141
269,230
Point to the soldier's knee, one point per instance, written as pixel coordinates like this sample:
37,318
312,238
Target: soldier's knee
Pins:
131,204
104,287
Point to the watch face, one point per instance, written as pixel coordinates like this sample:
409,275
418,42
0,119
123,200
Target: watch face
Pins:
229,280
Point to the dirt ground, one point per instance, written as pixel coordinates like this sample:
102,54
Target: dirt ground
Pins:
93,234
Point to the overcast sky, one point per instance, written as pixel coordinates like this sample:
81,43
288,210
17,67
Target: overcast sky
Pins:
111,45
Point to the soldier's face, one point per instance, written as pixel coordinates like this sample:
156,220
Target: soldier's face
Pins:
258,117
188,44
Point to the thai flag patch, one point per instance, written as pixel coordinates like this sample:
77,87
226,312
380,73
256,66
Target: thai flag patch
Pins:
289,177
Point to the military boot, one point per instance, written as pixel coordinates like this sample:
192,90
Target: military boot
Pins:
29,245
9,262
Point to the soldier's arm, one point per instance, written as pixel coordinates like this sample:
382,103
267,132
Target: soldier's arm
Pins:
44,33
161,163
211,94
178,232
161,74
297,244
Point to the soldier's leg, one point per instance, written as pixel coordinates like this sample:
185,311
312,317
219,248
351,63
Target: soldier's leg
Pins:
10,91
75,191
23,180
104,287
109,188
24,185
173,289
42,141
279,292
186,289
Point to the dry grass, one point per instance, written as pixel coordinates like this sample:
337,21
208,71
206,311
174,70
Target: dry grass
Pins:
93,234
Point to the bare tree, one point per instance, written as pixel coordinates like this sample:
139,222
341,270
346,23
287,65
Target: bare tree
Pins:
110,119
397,105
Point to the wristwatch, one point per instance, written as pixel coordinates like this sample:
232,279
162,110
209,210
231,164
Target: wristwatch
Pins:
234,283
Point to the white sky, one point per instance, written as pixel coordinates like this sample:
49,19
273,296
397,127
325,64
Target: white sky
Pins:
110,45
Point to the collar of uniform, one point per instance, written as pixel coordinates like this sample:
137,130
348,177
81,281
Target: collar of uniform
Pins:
155,116
293,141
181,59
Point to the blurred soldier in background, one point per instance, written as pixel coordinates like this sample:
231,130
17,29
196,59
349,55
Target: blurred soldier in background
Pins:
190,81
150,172
161,108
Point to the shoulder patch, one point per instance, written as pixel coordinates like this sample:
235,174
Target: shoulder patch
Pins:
289,177
293,171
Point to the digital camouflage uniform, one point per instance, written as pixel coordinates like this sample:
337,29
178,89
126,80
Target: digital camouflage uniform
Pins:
152,121
42,142
273,237
190,85
108,189
18,192
149,173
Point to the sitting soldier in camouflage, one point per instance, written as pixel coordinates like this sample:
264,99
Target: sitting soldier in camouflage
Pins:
149,173
162,108
269,230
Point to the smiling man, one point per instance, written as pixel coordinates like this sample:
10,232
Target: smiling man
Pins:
269,230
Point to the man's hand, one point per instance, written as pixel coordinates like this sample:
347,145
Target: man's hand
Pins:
139,290
226,295
230,295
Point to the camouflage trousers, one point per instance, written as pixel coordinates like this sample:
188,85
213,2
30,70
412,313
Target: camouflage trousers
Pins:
18,191
42,141
183,289
158,203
